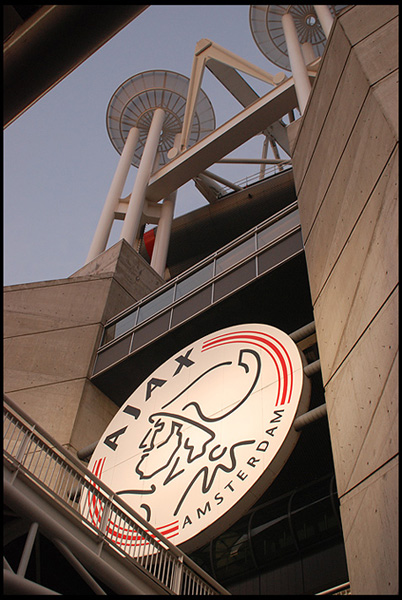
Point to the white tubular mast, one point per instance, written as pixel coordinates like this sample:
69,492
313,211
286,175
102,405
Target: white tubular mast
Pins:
297,63
144,119
298,56
161,247
106,219
137,199
324,16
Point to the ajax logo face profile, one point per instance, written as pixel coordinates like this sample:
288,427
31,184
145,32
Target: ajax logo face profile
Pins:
204,436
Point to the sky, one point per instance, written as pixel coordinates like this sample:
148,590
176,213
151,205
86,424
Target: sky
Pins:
59,161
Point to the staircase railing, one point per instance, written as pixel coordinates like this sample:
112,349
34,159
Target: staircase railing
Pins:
28,448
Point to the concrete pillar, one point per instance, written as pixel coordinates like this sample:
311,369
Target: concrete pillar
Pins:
297,64
324,16
134,212
349,221
106,219
161,247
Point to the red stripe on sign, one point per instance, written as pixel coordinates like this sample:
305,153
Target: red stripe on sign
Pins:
121,534
173,529
279,356
242,340
131,537
95,505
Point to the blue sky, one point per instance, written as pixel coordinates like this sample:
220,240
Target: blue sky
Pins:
59,161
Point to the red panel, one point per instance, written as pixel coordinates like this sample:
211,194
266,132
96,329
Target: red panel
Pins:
149,241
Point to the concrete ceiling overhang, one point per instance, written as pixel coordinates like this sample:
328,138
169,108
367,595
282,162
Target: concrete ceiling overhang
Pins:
39,51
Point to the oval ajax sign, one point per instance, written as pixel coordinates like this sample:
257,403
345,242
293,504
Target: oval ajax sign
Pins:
203,437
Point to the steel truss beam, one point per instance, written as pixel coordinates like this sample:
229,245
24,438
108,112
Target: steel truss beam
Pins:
17,585
226,138
97,563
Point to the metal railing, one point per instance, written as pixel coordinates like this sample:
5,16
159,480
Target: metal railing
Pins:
249,245
245,182
27,448
338,590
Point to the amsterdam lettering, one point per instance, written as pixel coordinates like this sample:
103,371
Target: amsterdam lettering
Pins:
205,435
240,476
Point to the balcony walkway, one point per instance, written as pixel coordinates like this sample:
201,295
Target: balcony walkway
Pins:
252,255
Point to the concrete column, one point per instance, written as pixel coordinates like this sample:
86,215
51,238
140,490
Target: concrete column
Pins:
355,288
106,219
297,64
324,16
134,212
161,247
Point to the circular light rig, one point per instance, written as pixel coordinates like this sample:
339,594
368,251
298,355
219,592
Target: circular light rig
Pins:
267,30
133,105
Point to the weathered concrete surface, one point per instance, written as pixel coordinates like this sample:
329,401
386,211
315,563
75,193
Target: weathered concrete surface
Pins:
345,162
52,330
129,269
362,277
367,512
365,435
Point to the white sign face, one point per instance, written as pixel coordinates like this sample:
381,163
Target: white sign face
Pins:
205,435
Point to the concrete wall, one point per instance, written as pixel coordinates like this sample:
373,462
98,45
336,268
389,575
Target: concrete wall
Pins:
51,332
345,160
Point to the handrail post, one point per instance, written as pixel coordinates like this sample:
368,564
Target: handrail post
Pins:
24,445
105,516
22,450
178,575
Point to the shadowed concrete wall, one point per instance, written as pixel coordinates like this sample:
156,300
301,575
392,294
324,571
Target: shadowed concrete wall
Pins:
345,161
52,330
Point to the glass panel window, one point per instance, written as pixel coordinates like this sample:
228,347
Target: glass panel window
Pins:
151,330
125,324
118,328
235,279
313,516
155,305
270,532
112,354
109,334
231,552
194,281
315,523
277,229
284,250
192,305
235,255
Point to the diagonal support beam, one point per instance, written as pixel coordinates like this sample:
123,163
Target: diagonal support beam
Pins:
26,554
206,50
233,82
81,570
244,93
